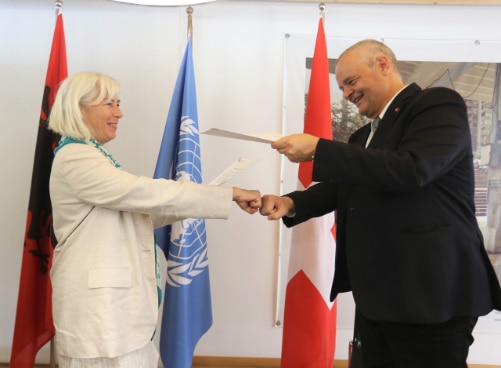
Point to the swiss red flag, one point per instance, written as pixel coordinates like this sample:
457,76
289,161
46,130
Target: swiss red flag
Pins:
309,331
34,327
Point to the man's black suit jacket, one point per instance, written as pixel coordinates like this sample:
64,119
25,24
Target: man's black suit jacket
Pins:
408,243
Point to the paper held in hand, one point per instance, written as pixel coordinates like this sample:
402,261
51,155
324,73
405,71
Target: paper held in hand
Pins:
262,137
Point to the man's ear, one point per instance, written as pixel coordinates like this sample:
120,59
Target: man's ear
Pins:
383,64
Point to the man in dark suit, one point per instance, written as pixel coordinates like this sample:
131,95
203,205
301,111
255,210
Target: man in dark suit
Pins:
408,243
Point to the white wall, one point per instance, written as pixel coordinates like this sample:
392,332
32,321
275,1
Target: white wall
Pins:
238,54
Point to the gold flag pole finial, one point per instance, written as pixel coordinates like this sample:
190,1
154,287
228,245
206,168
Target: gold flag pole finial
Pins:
189,11
59,5
321,6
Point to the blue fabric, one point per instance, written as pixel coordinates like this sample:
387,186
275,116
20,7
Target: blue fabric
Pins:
187,310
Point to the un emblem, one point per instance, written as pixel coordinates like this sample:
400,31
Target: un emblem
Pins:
187,252
188,255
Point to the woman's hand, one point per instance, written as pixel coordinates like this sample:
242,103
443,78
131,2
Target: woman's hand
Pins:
247,200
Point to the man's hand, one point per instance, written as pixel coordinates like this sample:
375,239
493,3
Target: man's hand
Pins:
297,147
248,200
276,207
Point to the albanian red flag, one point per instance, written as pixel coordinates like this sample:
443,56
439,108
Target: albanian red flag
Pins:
34,327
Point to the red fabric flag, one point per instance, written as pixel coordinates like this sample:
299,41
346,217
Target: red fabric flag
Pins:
309,332
34,327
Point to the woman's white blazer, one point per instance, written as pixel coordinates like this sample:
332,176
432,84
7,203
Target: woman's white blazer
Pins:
104,298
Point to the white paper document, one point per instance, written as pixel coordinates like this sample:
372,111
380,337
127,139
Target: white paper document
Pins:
240,165
262,138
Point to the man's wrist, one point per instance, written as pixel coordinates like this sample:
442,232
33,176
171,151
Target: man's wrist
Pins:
292,209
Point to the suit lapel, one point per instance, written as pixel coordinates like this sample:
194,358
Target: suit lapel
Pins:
392,113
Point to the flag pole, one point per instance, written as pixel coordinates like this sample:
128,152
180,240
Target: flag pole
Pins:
52,362
59,5
189,11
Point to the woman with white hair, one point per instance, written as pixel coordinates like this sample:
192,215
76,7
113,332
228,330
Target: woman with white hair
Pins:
104,271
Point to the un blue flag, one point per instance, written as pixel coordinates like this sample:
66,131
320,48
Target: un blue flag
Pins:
187,310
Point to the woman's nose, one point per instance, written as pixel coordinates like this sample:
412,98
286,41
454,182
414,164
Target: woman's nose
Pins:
118,112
